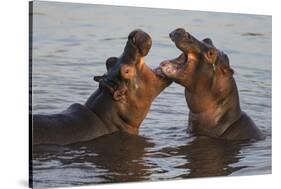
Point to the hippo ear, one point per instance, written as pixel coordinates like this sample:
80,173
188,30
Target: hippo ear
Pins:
208,41
110,62
99,77
212,55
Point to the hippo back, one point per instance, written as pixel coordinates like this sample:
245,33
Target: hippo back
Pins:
77,123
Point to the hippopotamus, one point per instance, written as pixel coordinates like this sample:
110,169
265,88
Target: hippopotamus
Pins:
120,103
210,89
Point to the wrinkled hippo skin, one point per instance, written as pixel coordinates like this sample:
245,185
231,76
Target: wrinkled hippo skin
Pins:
120,103
210,89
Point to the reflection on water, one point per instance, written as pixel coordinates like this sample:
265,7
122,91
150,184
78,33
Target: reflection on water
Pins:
121,157
208,157
71,43
115,158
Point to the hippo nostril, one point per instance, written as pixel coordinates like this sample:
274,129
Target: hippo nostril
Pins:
188,36
172,36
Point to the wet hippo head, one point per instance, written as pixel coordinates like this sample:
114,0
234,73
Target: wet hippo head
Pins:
210,89
130,82
123,72
204,71
198,65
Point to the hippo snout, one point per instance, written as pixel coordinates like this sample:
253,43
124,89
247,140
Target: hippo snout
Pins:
141,40
171,35
186,42
178,33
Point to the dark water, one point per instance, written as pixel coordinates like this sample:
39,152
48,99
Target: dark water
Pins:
71,43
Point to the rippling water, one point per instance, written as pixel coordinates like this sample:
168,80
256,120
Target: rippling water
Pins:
71,43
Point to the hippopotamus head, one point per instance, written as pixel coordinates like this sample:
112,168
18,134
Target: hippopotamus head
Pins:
199,63
131,83
123,72
202,69
210,89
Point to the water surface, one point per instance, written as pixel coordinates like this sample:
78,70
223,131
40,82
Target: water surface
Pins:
71,43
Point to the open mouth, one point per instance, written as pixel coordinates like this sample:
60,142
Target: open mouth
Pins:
158,71
172,67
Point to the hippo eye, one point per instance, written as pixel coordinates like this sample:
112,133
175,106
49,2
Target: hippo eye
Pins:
212,53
